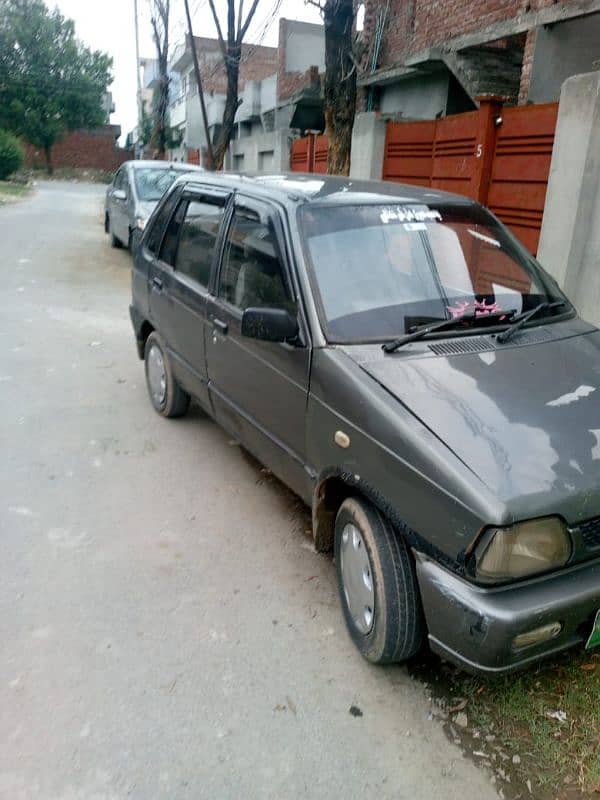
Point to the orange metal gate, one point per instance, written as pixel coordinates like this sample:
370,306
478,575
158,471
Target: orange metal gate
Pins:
520,169
499,156
309,154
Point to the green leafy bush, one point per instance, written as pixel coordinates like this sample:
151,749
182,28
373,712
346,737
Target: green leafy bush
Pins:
11,154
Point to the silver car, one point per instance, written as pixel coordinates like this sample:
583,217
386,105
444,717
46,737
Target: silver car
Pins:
132,196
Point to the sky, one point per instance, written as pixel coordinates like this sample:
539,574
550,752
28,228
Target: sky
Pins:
108,25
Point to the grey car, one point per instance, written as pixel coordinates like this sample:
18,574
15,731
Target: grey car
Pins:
133,194
397,358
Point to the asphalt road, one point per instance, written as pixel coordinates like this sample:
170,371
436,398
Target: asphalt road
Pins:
166,629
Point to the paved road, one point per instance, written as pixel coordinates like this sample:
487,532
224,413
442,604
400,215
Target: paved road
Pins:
166,629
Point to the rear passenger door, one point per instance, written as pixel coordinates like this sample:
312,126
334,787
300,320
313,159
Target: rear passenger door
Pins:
180,281
120,215
258,389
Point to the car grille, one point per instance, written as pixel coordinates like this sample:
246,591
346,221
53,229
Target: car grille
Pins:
590,533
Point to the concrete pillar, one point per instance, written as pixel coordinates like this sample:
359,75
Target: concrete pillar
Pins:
281,155
368,146
570,238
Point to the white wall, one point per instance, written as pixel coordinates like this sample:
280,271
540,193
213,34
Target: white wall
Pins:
417,98
570,239
305,46
266,152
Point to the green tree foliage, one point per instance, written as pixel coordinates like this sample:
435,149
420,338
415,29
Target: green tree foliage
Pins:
11,154
49,81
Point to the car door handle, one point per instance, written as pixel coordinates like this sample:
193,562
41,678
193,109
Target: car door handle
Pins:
157,283
221,326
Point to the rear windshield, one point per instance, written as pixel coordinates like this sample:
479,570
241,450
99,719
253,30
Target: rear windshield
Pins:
152,182
380,269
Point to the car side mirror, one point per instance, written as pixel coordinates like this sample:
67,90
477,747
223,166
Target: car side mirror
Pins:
269,324
119,194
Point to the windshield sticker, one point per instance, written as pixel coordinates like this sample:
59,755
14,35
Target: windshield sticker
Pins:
486,239
406,214
415,226
479,308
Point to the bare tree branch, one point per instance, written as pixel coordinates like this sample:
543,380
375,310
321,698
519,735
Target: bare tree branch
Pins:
244,28
231,40
219,31
240,15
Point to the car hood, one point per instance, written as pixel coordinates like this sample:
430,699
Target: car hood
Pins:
524,418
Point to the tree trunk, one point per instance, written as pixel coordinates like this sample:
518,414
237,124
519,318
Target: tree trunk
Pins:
231,106
159,135
340,83
48,157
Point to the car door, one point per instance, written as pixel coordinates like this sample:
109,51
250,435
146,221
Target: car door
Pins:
179,284
119,215
148,252
258,389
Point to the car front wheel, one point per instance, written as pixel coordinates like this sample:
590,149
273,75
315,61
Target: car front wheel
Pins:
377,584
166,395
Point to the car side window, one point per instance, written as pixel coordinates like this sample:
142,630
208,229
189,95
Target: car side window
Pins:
120,180
168,249
198,238
251,272
159,223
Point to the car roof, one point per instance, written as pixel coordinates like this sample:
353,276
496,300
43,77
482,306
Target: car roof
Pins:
297,187
178,165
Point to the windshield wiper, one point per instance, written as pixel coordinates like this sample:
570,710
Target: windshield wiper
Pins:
444,324
520,320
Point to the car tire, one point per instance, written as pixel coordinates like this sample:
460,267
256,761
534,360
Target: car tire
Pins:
106,223
166,395
374,566
114,242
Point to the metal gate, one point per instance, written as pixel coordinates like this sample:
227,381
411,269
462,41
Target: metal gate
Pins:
309,154
498,156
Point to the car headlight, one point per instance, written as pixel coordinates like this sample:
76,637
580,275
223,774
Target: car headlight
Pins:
524,549
140,223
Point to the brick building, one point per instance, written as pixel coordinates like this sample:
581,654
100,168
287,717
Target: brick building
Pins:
257,64
279,89
430,58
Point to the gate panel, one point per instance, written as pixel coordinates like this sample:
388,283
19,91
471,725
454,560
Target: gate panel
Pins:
454,153
321,151
300,155
409,152
521,167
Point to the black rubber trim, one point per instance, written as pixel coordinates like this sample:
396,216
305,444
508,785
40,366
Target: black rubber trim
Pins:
414,539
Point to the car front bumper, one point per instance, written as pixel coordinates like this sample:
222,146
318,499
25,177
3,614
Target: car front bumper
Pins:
475,626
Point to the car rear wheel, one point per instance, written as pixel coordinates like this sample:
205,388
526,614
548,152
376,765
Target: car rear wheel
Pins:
166,395
114,242
377,584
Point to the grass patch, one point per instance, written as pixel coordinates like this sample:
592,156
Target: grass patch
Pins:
76,174
12,191
547,718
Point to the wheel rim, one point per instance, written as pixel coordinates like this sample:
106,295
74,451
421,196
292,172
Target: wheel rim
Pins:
357,578
157,378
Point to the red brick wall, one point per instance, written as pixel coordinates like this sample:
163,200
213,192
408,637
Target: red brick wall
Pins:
256,63
527,65
414,25
91,149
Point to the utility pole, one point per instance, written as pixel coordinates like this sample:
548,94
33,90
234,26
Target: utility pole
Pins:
211,160
137,66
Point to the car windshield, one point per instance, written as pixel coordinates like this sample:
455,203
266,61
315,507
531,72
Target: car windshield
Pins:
152,182
380,270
